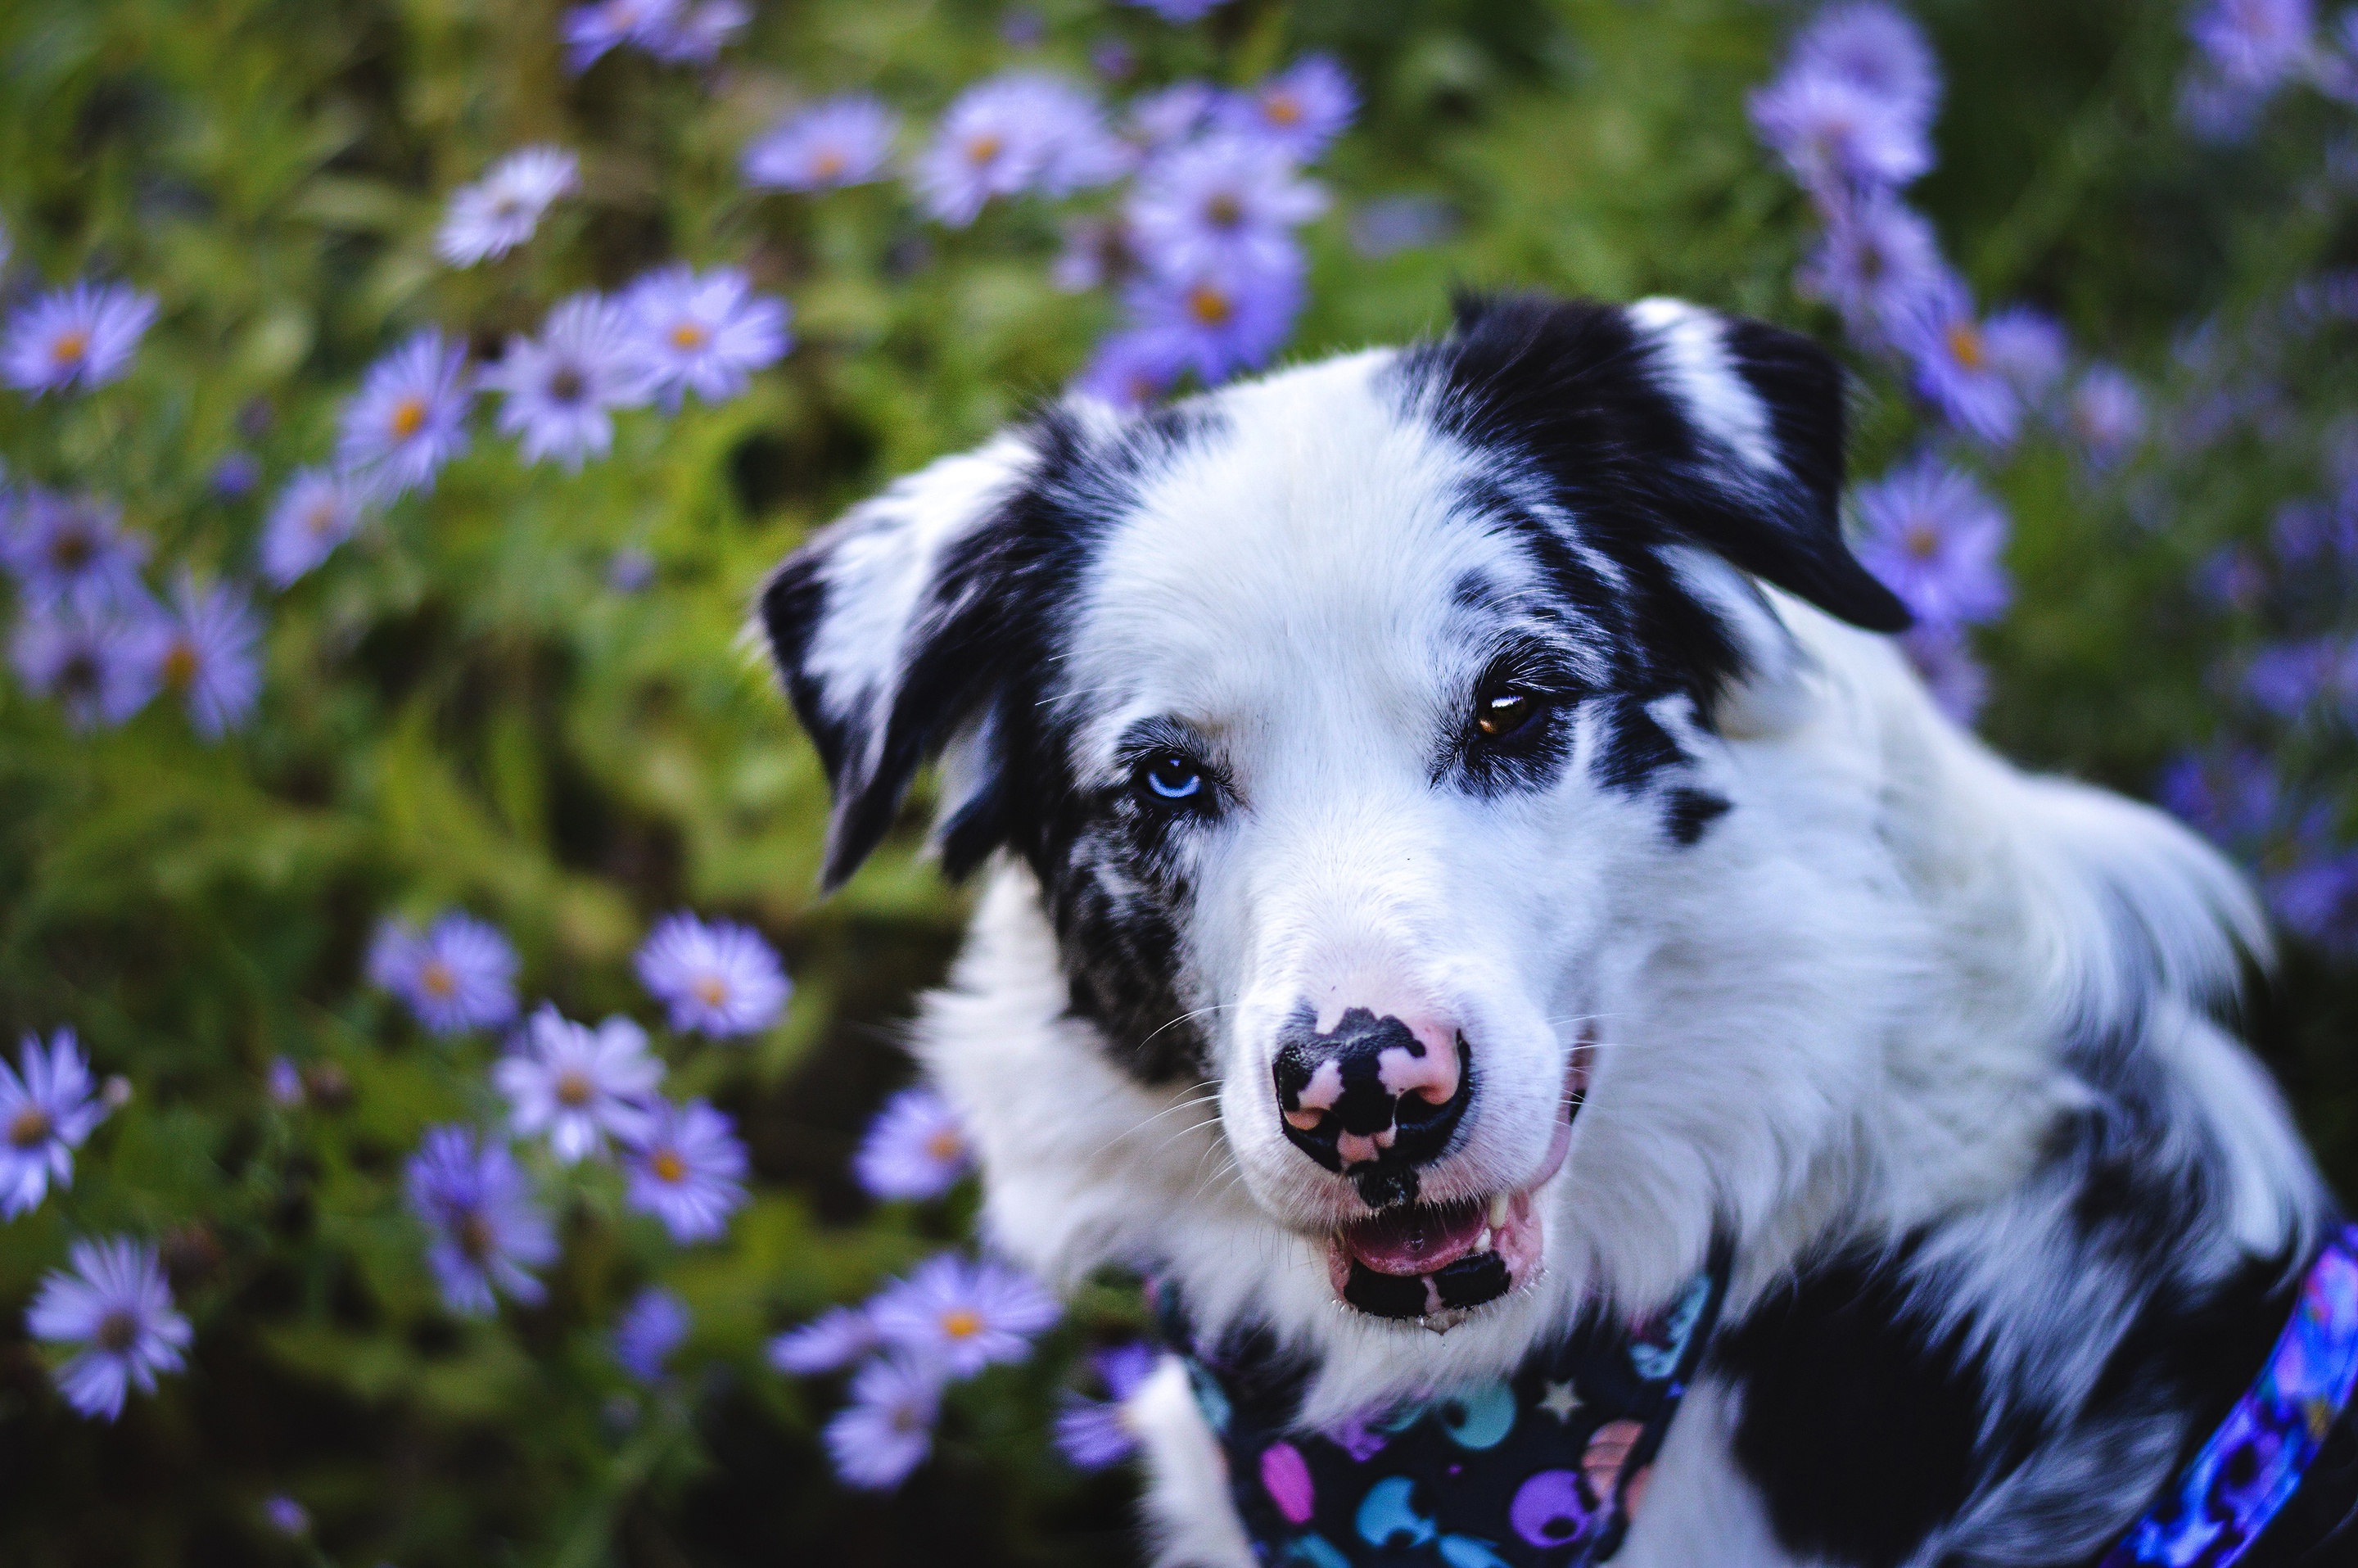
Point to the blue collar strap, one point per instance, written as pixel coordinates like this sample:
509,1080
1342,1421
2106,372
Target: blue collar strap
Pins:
2254,1463
1542,1469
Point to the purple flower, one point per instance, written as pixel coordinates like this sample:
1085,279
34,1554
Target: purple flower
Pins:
410,416
828,1343
498,212
1022,131
2028,347
2316,892
46,1108
2288,679
652,1327
629,569
488,1232
1876,265
1223,204
97,659
205,655
316,511
697,36
1177,10
591,30
562,386
1095,1434
1096,252
915,1149
1949,352
1217,323
286,1516
2337,76
962,1317
1133,369
2234,799
844,141
1876,49
687,1168
1945,664
60,547
1934,538
116,1303
1298,110
888,1429
1834,134
85,334
459,975
575,1084
2107,416
2255,43
704,332
1172,115
285,1084
720,978
234,477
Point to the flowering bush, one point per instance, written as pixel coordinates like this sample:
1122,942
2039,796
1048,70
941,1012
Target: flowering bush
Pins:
442,1124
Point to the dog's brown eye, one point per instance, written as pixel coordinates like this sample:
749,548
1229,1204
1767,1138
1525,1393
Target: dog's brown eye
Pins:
1500,714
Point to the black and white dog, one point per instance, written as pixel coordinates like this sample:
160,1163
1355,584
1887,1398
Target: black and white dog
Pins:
1457,852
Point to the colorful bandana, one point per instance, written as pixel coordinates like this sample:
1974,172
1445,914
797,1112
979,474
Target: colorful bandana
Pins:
2254,1463
1544,1469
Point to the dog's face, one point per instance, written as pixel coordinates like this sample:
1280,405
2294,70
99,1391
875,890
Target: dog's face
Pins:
1348,720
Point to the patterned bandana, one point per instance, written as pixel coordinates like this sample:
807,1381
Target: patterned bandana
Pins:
1543,1469
2254,1463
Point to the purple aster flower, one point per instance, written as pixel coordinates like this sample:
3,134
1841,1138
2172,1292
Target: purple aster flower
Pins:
285,1084
1178,10
697,35
1935,537
286,1516
828,1343
205,655
1112,58
459,975
562,386
410,416
1095,1434
720,978
1216,323
2231,579
234,477
1834,135
844,141
888,1429
591,30
576,1085
488,1232
704,332
2218,111
652,1327
962,1315
1022,131
2315,891
1877,49
316,511
85,334
1944,662
2107,416
116,1303
2288,679
498,212
1223,204
98,659
1172,115
2337,76
46,1108
2255,43
2234,799
1298,110
1876,265
2313,534
59,547
2028,347
687,1168
629,569
915,1149
1948,349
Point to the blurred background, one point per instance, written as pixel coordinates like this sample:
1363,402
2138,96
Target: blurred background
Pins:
404,398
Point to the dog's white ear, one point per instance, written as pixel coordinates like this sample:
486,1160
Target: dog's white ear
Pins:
893,626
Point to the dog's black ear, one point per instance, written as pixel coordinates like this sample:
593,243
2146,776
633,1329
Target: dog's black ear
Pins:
894,629
1723,432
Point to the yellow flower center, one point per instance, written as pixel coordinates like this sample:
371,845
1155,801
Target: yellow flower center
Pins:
181,665
668,1166
1284,109
829,164
945,1144
69,346
709,989
689,336
1966,345
409,417
573,1088
981,149
435,978
962,1323
1209,306
29,1127
1920,540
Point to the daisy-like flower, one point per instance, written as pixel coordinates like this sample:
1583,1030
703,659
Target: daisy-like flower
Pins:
962,1315
844,141
1169,115
98,659
498,212
316,511
487,1230
887,1428
704,332
915,1149
47,1107
114,1301
719,978
828,1343
410,416
1948,349
1022,131
1877,264
591,30
1219,322
286,1516
697,35
653,1326
1178,10
205,655
2288,679
2028,348
460,974
285,1084
687,1168
562,386
2234,799
578,1085
234,477
1133,369
1299,111
1877,49
1225,203
83,335
1095,1434
1944,660
2255,43
1834,135
59,546
1935,537
2106,415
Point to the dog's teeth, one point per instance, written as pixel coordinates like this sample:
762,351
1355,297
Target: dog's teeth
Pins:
1482,1242
1499,1209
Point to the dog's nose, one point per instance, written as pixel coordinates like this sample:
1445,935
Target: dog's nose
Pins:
1373,1098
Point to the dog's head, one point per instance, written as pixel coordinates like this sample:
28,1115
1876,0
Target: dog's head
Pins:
1350,721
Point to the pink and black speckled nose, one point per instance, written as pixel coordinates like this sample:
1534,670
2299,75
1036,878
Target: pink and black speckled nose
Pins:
1375,1097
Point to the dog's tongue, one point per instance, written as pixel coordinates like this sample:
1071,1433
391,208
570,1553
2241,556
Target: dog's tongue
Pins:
1415,1238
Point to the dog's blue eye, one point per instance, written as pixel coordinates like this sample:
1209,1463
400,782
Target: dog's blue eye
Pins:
1173,777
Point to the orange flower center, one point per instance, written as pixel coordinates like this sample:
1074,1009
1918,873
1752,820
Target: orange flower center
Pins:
435,978
321,519
1209,306
981,149
1966,345
709,989
1920,540
962,1323
29,1127
689,337
1284,109
829,164
573,1088
409,417
69,346
668,1166
1225,210
181,665
945,1144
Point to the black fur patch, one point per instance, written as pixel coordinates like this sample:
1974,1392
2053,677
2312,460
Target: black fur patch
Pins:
1633,748
1687,812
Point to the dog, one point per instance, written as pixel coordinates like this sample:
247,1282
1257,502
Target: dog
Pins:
1462,859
